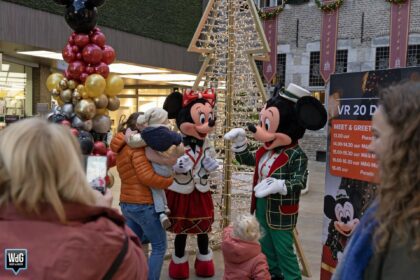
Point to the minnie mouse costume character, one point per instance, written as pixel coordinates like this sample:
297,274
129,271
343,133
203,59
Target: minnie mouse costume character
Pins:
280,171
189,197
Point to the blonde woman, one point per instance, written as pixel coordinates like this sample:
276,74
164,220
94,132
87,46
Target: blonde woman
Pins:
386,244
47,207
242,251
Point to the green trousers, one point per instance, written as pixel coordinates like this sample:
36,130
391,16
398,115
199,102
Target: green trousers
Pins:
277,245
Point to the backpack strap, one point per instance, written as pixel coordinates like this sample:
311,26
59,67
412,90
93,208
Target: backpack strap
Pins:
118,260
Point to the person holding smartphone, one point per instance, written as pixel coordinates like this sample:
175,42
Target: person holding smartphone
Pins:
136,200
47,207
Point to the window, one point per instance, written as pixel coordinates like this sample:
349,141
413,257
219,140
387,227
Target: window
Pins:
264,3
341,61
315,79
281,69
382,58
413,55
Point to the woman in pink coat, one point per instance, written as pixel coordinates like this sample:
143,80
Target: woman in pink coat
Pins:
242,251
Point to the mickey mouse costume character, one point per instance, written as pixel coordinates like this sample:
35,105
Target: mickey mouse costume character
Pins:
280,171
189,197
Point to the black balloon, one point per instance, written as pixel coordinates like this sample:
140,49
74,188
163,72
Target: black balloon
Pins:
86,142
95,3
63,2
57,118
80,17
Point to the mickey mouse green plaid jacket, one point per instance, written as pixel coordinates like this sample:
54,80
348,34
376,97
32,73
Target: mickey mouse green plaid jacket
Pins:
291,166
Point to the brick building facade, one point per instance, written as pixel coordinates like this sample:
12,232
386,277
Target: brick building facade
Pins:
362,45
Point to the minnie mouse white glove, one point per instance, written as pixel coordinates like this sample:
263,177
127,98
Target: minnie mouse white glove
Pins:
238,138
210,164
270,186
183,164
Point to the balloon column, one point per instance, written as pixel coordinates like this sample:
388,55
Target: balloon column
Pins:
86,92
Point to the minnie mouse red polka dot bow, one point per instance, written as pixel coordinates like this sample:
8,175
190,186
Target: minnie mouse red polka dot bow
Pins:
191,95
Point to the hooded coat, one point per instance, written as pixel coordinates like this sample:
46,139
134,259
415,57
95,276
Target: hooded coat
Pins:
243,259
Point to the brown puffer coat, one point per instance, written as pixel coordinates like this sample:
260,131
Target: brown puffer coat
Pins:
136,173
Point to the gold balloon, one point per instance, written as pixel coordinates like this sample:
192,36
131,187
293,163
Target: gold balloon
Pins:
66,95
72,84
95,85
102,111
53,81
55,92
59,101
113,103
114,85
63,84
85,109
101,101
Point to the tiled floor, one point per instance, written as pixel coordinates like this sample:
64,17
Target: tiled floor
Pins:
309,224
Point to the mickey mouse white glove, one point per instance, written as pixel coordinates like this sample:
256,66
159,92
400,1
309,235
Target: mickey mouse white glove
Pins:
270,186
238,138
210,164
183,164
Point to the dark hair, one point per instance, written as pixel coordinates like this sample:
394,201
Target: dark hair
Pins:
131,122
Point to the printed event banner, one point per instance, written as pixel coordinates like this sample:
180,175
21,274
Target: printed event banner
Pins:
400,25
270,67
328,43
351,173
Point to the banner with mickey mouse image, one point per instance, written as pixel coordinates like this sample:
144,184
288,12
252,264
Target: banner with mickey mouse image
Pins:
351,173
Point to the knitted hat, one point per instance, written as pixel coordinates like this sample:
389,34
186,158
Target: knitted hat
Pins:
153,117
160,138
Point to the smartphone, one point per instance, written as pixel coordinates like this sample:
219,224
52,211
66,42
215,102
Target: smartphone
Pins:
96,168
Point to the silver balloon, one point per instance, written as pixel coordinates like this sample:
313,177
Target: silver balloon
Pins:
67,110
87,125
101,123
113,103
77,123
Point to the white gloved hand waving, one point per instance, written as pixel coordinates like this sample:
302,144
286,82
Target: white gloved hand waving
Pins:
238,138
270,186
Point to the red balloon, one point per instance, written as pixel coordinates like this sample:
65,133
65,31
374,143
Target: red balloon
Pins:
75,132
79,56
92,54
71,40
75,49
66,123
99,148
83,77
81,40
73,34
98,38
111,158
90,70
102,69
68,54
96,29
76,68
108,54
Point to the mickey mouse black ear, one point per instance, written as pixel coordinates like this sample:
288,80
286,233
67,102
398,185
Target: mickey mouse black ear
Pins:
311,113
173,104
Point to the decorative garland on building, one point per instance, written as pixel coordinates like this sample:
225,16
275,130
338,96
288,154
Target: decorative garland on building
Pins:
332,6
272,13
398,2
